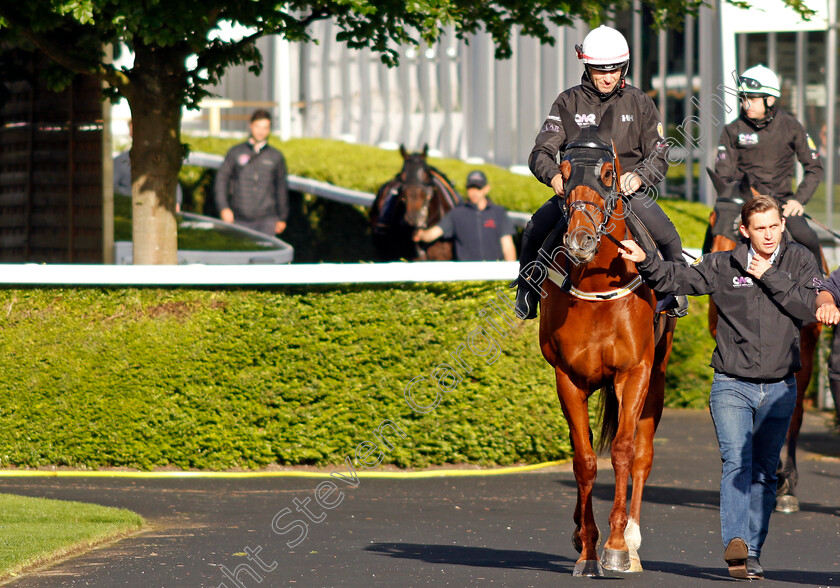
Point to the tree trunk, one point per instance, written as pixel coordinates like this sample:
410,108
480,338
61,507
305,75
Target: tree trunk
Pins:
156,154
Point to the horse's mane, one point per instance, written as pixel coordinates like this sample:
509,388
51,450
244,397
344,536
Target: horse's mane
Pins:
446,187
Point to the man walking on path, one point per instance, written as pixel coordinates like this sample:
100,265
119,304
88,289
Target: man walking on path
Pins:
764,290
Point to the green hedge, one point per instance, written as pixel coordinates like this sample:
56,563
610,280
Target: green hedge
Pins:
192,378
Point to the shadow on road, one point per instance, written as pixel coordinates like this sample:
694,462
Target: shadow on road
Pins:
549,562
476,556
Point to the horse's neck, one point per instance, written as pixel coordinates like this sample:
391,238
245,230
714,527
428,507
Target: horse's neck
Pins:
721,243
437,207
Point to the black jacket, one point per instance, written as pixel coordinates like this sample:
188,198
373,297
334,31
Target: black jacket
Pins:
252,184
832,286
637,131
758,320
767,153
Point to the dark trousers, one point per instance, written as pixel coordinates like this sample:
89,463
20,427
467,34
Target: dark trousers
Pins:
550,214
802,233
265,226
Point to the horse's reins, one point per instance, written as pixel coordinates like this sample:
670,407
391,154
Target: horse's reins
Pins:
601,229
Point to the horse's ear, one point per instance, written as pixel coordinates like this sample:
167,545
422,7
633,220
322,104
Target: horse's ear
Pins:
605,127
425,150
718,182
570,126
403,151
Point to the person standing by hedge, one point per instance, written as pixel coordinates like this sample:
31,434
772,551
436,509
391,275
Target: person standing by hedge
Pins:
481,229
251,183
765,291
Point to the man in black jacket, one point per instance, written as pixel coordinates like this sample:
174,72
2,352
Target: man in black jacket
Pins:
764,142
251,183
764,290
640,146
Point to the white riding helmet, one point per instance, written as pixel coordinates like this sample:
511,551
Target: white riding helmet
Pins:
759,80
604,49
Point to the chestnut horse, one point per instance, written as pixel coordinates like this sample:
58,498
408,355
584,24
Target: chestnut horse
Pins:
417,198
599,330
722,235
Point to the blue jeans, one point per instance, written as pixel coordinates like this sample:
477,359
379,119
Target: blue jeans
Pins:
751,421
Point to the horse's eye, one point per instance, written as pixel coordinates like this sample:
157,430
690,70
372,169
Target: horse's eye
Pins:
607,175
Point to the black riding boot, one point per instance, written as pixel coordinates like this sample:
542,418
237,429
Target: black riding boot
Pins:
529,280
680,307
527,286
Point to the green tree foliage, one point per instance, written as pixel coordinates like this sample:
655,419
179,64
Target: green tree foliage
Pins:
77,36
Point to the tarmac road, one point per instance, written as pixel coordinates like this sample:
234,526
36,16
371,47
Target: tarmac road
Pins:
509,530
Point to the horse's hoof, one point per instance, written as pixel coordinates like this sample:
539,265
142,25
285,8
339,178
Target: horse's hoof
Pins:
635,564
589,568
615,560
787,504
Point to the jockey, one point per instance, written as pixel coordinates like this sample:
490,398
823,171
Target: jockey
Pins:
764,143
640,146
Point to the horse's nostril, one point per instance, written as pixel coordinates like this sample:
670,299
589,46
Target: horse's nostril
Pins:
580,239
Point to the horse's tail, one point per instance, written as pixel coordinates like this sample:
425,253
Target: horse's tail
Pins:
608,407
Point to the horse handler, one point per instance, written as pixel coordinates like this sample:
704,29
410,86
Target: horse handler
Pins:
764,290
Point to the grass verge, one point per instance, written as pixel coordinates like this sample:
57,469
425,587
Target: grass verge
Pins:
38,531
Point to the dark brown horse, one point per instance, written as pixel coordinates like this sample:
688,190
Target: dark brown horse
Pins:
600,331
417,198
722,235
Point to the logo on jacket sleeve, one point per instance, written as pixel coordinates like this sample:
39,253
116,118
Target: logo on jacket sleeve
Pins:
742,282
549,126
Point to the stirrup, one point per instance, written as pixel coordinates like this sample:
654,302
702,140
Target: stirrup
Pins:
681,308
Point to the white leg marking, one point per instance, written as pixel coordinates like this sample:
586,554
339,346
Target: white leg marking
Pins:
633,535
